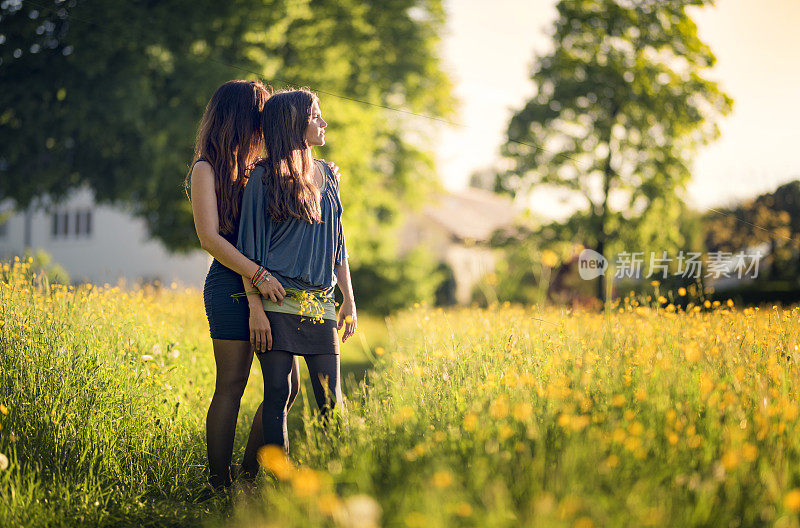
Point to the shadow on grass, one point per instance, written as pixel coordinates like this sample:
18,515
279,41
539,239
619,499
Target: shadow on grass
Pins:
352,373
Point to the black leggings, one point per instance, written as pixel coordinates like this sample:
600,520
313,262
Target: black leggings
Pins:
276,367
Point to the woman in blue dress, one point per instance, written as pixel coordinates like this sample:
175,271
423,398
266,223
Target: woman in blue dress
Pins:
291,227
229,141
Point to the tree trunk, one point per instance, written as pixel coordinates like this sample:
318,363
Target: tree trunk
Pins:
601,280
27,238
601,232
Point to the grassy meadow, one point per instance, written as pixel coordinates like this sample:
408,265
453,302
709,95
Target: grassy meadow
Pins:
509,416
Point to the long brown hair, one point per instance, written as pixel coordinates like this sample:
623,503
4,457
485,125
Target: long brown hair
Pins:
288,165
230,139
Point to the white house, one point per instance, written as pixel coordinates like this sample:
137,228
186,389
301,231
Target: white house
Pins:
99,243
455,228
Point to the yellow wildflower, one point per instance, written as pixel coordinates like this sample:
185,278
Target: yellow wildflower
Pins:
618,435
549,258
579,422
463,509
403,414
442,479
692,353
273,459
499,408
636,429
306,482
792,500
470,421
522,411
730,459
706,384
749,452
505,431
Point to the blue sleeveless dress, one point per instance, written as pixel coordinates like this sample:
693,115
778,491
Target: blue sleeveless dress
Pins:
228,316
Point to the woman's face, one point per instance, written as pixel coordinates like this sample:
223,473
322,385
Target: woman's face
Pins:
315,131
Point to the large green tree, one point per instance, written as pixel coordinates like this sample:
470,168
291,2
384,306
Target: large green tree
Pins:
621,106
771,219
109,94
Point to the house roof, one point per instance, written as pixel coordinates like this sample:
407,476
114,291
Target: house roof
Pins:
471,213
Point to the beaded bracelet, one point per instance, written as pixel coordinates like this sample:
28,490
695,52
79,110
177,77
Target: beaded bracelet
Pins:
257,274
264,277
260,276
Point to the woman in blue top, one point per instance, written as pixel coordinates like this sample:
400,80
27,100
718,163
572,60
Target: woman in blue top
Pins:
229,141
291,226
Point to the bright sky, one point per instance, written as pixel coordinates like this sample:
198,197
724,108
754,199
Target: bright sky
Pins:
488,51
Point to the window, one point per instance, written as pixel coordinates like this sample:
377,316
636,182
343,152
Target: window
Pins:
60,224
83,223
76,223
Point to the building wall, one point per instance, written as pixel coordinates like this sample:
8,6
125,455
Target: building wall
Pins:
117,247
469,265
468,262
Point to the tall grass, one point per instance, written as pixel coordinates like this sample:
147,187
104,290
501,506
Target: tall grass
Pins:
104,393
102,404
511,416
514,417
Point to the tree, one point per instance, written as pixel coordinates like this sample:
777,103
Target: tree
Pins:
620,109
772,219
109,94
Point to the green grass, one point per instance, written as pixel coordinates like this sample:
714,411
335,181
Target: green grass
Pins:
97,432
505,417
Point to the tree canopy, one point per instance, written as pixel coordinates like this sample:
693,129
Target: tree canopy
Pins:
109,94
771,220
621,106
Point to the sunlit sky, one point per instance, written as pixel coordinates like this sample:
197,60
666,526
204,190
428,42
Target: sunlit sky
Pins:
488,49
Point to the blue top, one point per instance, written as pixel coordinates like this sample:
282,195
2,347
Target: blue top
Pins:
299,254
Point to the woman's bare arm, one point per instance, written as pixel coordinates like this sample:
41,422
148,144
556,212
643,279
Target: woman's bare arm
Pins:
348,307
206,223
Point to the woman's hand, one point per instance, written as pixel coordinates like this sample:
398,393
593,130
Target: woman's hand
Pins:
347,317
260,331
271,289
334,169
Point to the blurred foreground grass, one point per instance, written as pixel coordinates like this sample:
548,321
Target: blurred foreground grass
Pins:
642,416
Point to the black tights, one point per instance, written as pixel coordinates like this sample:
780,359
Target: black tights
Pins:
276,366
233,359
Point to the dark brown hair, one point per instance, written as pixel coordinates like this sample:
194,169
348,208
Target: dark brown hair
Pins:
288,165
230,139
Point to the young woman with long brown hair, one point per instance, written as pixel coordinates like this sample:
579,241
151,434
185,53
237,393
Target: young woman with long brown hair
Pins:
229,141
291,227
